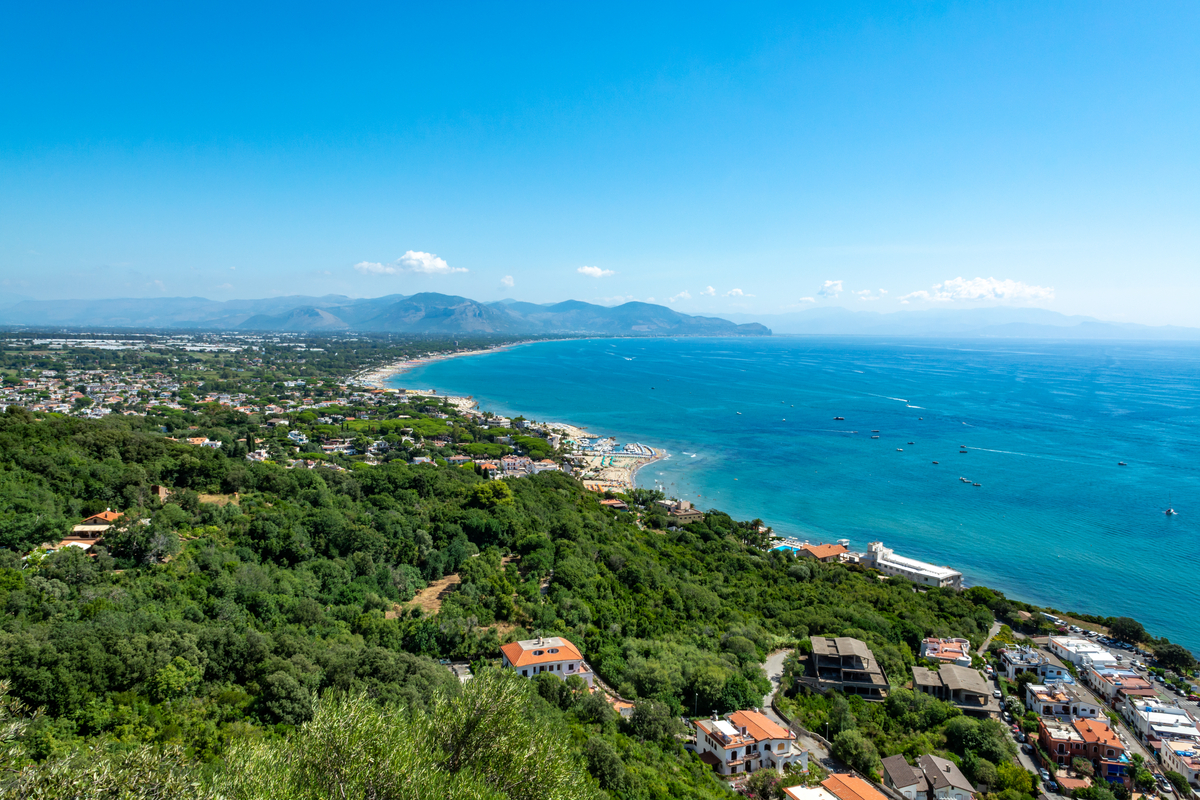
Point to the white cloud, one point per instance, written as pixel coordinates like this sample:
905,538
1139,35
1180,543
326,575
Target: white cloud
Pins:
737,293
615,301
225,287
411,261
651,300
595,272
808,300
865,294
160,285
831,289
507,280
986,289
684,295
883,291
710,291
233,267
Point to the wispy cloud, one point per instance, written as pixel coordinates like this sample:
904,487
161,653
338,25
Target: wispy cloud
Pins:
865,294
412,261
225,287
710,291
507,280
595,272
737,293
615,301
808,299
830,289
981,289
684,295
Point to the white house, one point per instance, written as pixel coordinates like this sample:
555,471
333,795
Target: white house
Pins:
1182,756
948,651
1081,652
1060,700
886,561
1155,721
746,741
551,654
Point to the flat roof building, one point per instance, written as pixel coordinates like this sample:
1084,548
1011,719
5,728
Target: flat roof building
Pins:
886,561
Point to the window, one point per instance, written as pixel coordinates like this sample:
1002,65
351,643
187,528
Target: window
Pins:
525,672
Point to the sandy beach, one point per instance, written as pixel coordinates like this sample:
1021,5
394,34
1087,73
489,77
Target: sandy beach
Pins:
612,471
378,376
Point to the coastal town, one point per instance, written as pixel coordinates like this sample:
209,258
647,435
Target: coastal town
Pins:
1080,706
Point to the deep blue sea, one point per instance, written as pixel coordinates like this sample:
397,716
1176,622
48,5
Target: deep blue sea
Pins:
1056,521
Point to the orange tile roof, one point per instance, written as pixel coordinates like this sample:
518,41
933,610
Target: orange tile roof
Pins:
1094,731
522,656
760,726
824,550
102,517
851,787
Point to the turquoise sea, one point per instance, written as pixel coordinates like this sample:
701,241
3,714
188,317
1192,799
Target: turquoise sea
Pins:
1056,520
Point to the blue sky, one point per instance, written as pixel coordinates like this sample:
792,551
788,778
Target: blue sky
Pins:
787,156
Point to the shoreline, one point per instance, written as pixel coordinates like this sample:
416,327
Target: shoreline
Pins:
377,377
618,474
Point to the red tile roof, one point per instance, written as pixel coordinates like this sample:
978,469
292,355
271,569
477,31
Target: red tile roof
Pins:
521,654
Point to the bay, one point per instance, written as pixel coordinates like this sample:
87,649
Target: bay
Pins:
749,424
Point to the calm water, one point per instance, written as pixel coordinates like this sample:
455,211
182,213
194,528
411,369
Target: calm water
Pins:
1056,520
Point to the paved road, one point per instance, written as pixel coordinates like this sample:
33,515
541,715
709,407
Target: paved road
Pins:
774,669
991,633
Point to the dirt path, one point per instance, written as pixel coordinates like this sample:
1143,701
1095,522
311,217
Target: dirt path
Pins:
430,598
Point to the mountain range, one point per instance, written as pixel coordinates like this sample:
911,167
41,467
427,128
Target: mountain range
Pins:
425,313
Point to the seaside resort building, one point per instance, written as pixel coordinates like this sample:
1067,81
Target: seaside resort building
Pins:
886,561
552,654
1015,660
746,741
847,665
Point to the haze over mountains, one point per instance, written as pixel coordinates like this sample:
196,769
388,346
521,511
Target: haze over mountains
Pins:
432,313
990,322
427,312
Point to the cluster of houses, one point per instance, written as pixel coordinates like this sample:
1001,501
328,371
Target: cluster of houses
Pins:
65,392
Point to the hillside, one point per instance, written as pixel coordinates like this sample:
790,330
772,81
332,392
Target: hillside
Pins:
427,313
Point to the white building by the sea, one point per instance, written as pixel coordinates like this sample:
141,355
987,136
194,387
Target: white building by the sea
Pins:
886,561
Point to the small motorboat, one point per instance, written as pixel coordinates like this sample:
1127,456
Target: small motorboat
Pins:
1170,512
874,431
874,437
912,442
977,484
935,462
842,419
962,451
1122,464
899,449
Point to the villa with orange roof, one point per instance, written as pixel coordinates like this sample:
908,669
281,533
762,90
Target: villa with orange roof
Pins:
747,741
829,553
837,786
551,654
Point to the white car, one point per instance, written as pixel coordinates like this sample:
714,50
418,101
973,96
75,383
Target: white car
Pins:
996,694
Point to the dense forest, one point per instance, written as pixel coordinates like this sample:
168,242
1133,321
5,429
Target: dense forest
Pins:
204,634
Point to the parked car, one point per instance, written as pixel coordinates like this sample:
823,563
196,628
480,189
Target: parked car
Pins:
1195,698
996,693
1028,748
1045,775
